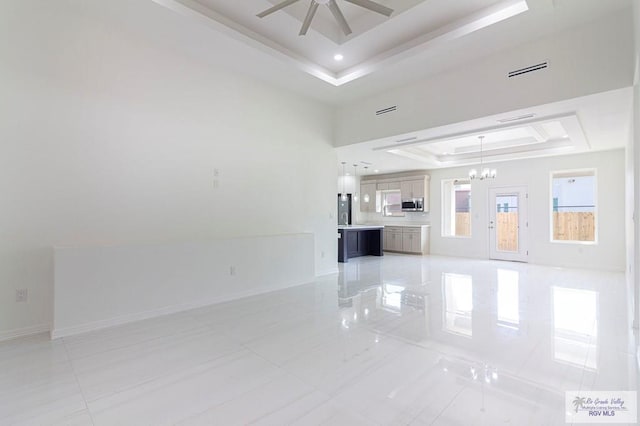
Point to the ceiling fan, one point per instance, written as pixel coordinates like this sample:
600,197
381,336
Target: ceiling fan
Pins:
333,7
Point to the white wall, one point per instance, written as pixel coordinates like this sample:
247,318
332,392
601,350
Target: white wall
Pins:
110,137
609,253
581,62
97,287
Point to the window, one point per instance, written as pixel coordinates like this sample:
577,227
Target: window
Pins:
456,208
391,203
573,206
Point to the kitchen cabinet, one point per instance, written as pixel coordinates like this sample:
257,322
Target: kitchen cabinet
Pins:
386,186
393,238
411,240
410,189
355,241
407,239
368,192
416,188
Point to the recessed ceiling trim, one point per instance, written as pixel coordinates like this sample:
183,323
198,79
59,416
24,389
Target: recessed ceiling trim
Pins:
499,153
458,29
457,135
453,31
194,10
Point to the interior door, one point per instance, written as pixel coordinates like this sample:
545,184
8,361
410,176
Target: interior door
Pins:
508,223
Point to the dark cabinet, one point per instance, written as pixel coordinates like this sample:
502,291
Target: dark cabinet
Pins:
359,242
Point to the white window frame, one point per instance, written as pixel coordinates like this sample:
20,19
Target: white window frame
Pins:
452,208
595,207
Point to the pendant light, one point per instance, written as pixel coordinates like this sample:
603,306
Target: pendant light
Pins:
343,195
366,197
355,183
485,172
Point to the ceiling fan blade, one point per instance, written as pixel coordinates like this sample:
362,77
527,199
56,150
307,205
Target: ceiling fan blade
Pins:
276,8
337,13
310,14
373,6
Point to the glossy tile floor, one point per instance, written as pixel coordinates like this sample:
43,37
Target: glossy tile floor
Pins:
391,341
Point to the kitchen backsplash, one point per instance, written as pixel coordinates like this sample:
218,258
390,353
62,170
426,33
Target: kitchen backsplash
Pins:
409,217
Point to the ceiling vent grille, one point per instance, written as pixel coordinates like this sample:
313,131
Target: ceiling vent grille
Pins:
518,118
532,68
387,110
412,138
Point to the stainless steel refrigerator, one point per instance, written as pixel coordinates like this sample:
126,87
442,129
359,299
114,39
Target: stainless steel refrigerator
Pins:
344,210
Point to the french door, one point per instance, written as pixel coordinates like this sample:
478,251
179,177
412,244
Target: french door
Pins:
508,223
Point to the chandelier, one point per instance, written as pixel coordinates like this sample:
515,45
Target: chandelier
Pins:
485,172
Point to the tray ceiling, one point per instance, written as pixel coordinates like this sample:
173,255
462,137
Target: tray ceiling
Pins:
376,41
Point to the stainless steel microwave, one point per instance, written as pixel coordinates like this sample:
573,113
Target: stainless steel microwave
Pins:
415,205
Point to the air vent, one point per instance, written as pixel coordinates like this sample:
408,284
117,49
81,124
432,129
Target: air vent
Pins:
529,69
387,110
518,118
412,138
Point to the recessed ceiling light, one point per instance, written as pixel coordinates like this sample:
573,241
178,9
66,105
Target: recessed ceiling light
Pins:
338,57
348,174
376,171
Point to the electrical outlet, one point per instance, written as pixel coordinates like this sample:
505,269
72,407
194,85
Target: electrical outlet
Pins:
232,270
216,172
22,294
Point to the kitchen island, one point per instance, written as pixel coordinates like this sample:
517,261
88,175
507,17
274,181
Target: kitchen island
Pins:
359,240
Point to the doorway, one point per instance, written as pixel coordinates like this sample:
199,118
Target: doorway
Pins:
508,223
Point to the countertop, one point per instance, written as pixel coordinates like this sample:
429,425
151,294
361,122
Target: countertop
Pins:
403,224
361,227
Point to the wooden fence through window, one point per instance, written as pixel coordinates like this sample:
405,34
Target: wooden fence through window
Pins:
567,226
574,226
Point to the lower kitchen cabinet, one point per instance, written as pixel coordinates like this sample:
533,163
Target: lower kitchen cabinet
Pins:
407,239
392,238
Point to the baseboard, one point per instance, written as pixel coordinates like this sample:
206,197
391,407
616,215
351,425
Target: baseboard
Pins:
24,332
57,333
325,272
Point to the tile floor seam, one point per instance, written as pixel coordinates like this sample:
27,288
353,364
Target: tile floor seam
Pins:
199,367
86,405
445,407
160,377
191,334
124,346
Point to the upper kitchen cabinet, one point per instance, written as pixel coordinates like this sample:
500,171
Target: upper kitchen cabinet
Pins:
387,186
416,188
368,197
409,187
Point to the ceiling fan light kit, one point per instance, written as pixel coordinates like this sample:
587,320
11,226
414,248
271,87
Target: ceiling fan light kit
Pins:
333,8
